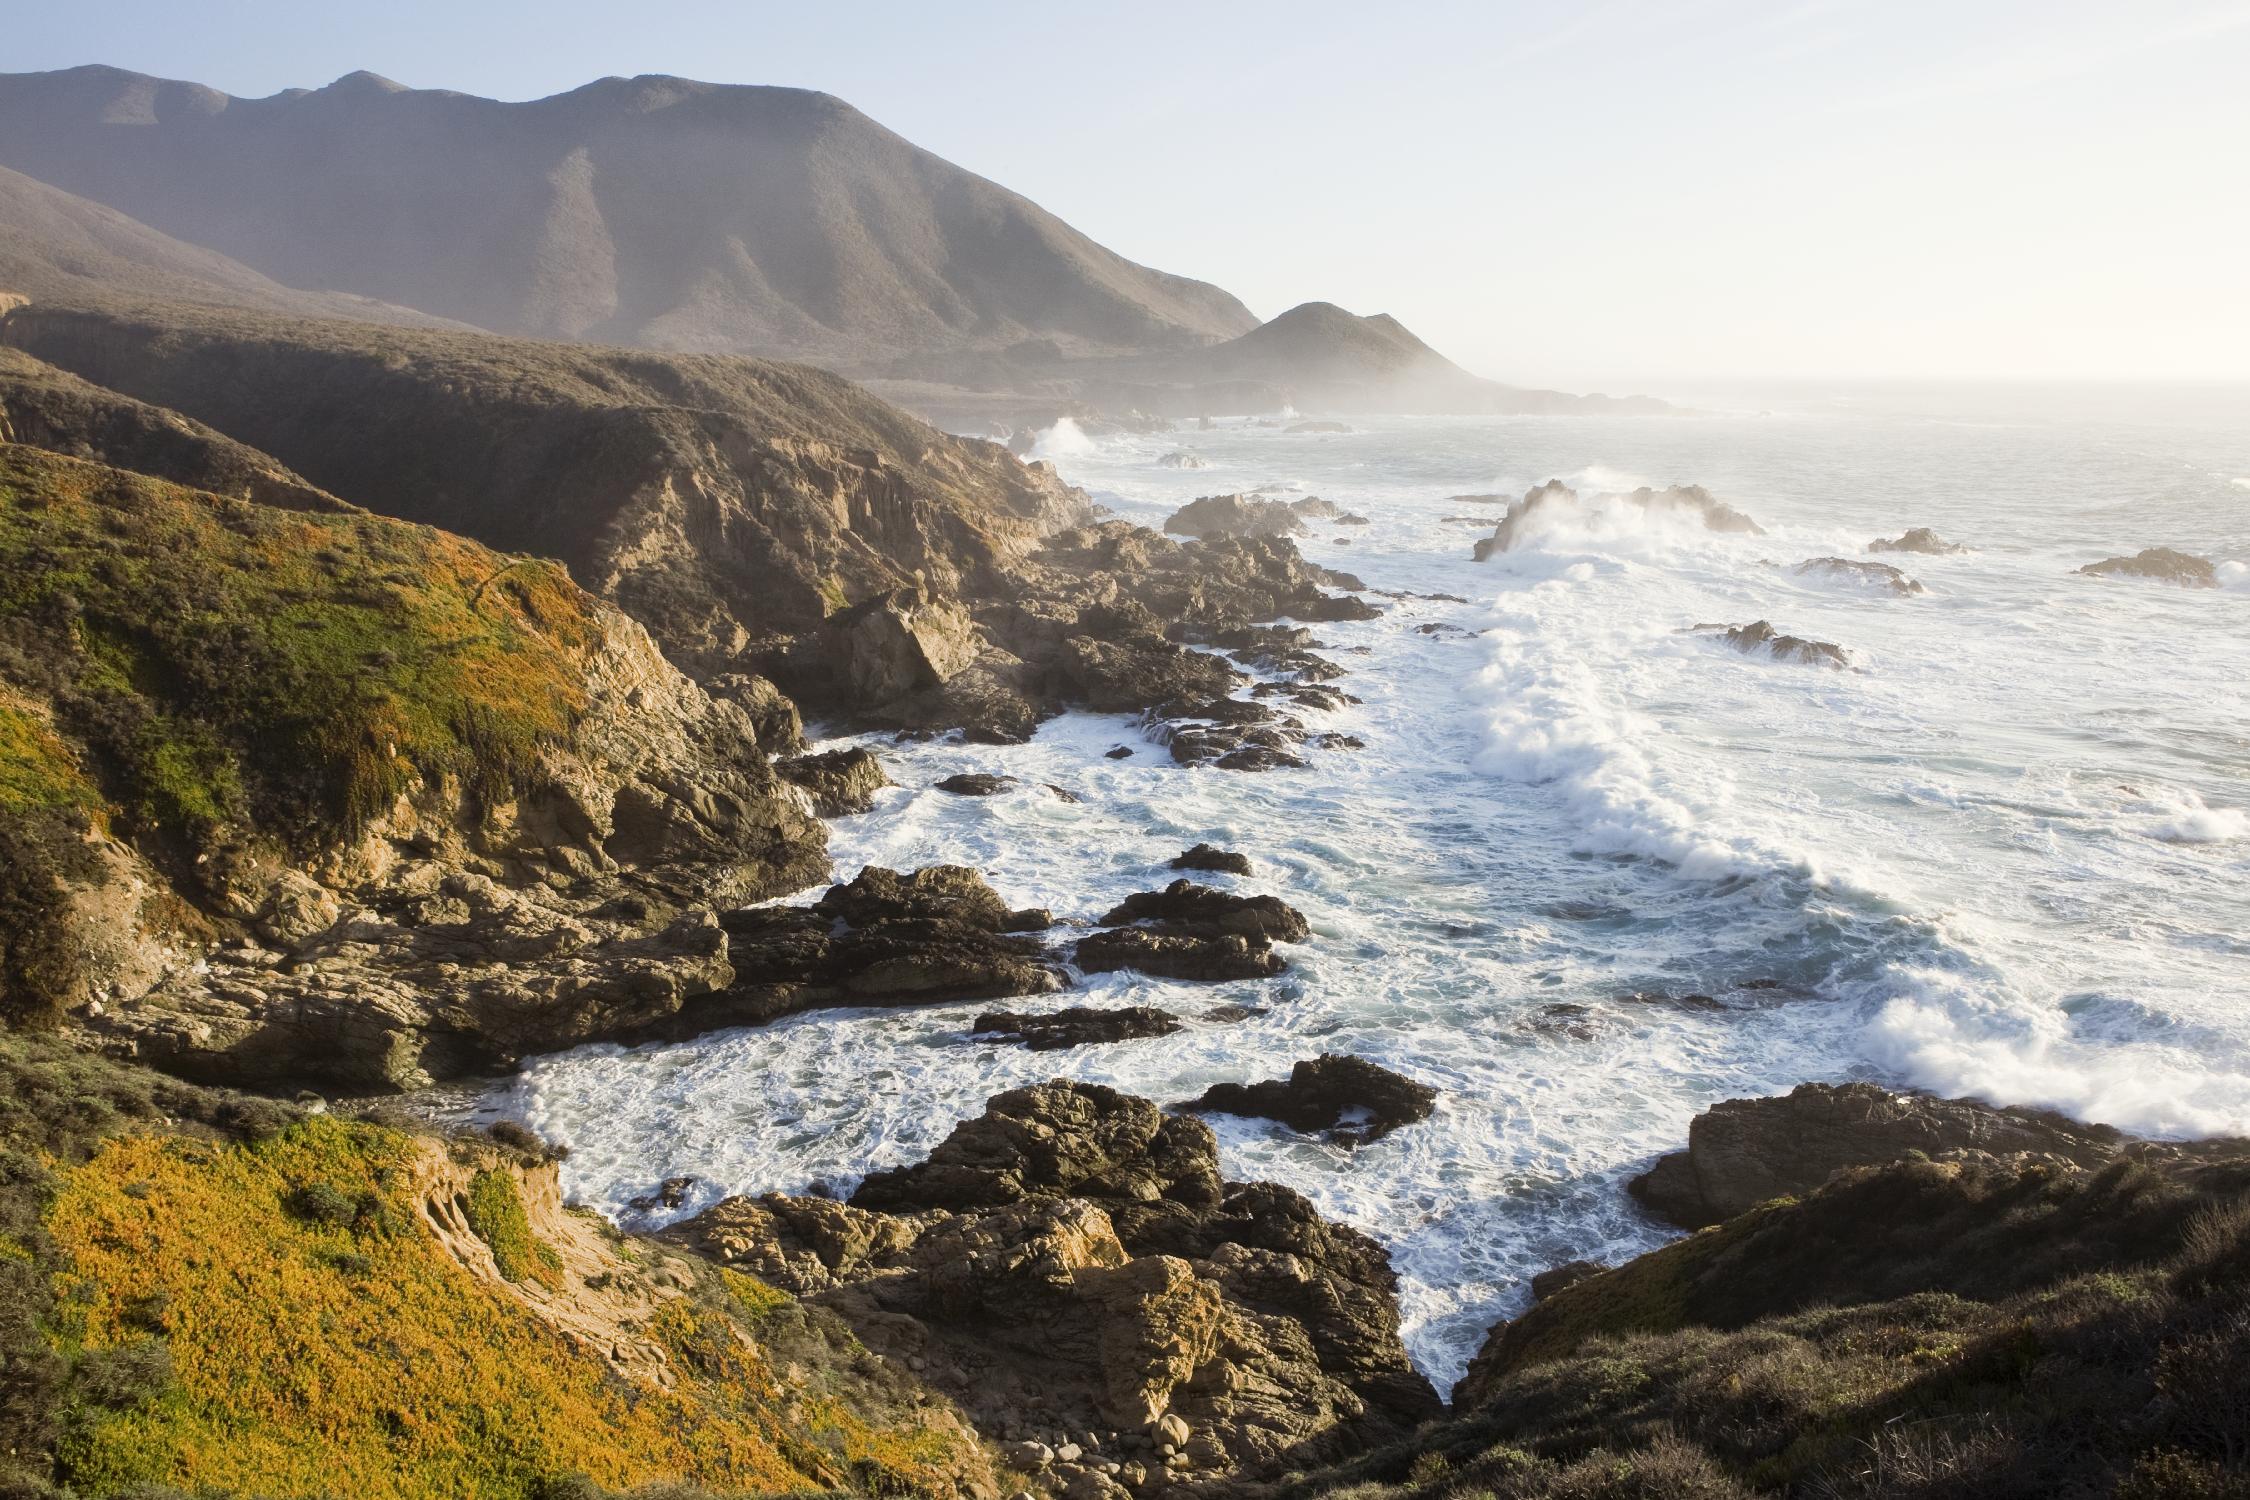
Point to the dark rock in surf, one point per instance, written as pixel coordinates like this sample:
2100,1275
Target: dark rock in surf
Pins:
1760,638
1078,1026
1348,1098
1183,460
1199,910
1178,955
1211,857
1918,539
976,784
1553,496
1849,570
2162,564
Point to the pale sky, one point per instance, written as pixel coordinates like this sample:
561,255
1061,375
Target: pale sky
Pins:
1587,195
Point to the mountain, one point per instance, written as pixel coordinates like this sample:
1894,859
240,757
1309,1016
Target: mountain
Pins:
55,244
653,211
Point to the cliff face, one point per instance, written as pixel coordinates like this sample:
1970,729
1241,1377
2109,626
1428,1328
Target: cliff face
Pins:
654,211
230,733
722,502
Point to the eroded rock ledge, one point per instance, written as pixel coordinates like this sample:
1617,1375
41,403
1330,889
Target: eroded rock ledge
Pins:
1071,1267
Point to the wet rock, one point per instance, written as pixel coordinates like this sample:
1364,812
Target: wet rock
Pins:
1849,570
1183,460
840,782
1134,674
2161,564
1078,1026
1349,519
1235,515
1118,752
672,1193
1172,956
1349,1098
1211,857
1760,638
1202,911
1918,539
1553,497
1568,1274
1742,1152
976,784
1063,794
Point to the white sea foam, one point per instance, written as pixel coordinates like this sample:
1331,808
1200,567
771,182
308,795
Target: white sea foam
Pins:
1066,439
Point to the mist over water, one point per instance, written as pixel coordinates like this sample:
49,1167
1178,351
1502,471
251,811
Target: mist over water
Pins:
1593,872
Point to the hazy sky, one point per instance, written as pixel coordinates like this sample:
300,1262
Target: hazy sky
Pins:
1579,194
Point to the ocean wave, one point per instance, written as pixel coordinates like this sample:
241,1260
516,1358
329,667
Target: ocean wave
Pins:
1066,439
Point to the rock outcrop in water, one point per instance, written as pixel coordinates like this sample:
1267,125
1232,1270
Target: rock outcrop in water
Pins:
1209,857
1554,498
1760,638
2160,564
1237,515
1347,1098
1071,1266
1917,539
1078,1026
1866,574
1190,931
840,782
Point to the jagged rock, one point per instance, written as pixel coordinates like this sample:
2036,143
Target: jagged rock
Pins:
1202,911
1079,1251
898,643
780,728
2162,564
1918,539
1759,637
1235,515
1210,857
937,935
1076,1027
1183,460
1744,1151
1554,495
976,784
1170,956
671,1193
1349,1098
840,782
1135,674
1063,794
1568,1274
1877,575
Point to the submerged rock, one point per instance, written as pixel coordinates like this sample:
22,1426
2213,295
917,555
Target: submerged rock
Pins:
1349,1098
1078,1026
2161,564
1211,857
1554,496
1743,1152
1919,539
1849,570
1074,1253
1759,636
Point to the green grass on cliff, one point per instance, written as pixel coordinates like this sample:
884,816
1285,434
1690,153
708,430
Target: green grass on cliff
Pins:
204,1294
225,665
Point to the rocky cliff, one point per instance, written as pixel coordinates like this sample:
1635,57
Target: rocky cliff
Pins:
231,732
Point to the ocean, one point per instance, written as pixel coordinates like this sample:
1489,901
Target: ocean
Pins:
1595,871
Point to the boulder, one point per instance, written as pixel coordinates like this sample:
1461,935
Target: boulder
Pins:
1183,460
1918,539
1184,907
1078,1026
1210,857
1172,956
975,784
1349,1098
897,643
2161,564
840,782
1742,1152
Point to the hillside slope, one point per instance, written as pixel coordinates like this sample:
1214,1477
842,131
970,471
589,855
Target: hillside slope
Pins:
54,244
653,211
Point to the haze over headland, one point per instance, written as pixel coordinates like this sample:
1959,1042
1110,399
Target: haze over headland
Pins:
1592,197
